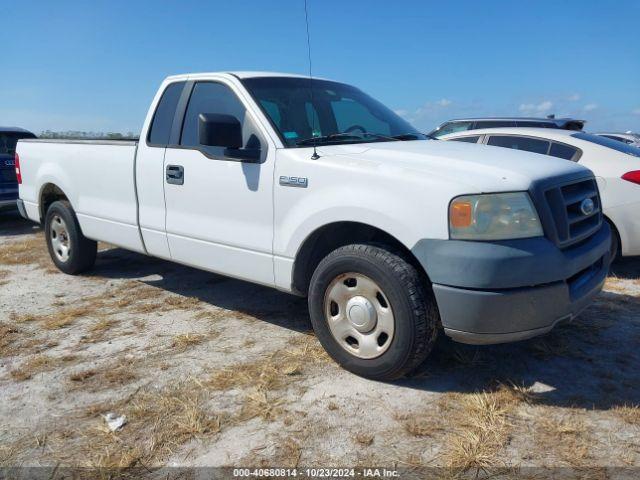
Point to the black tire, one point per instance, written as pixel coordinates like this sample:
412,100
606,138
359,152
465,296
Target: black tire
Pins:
82,251
414,309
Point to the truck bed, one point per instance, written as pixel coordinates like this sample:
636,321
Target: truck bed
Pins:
96,175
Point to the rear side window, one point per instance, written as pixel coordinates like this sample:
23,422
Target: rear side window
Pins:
163,117
493,124
520,143
452,127
562,151
471,139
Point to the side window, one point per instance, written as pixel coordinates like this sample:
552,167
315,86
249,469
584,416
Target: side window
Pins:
493,124
213,97
520,143
453,127
471,139
163,117
562,151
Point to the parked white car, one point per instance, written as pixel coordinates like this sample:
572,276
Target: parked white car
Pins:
390,235
615,164
628,137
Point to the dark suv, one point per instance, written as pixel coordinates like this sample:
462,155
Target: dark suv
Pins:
9,136
462,124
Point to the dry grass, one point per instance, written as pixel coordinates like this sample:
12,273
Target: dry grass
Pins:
185,341
159,422
98,332
364,438
267,376
260,403
628,413
286,453
30,250
569,436
112,376
39,364
273,372
481,428
56,320
424,426
8,336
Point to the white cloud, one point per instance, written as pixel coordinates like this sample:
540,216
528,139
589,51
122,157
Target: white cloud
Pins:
538,108
574,98
444,102
590,107
401,112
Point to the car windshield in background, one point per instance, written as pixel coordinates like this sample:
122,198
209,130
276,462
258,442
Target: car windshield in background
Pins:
608,142
336,113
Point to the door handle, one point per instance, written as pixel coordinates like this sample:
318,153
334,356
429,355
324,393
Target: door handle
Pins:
175,174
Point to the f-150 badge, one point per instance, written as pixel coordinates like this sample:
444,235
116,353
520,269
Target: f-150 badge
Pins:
301,182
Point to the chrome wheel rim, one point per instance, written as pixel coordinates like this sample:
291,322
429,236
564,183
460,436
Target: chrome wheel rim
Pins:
59,235
359,315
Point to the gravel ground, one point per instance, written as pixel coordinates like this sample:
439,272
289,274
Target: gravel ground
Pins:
211,371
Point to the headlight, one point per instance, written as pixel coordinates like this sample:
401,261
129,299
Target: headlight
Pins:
494,216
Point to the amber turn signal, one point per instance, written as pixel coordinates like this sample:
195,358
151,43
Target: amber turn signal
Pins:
460,214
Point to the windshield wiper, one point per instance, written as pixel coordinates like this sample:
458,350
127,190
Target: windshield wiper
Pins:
325,138
345,135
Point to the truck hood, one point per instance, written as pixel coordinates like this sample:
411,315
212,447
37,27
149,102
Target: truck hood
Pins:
484,168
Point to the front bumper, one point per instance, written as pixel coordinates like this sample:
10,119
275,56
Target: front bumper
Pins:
495,292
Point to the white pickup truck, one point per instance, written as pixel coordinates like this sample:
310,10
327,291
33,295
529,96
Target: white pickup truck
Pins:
326,193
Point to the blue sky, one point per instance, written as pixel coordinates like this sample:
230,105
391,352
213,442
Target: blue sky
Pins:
96,65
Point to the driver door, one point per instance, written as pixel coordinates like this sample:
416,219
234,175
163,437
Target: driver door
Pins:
219,210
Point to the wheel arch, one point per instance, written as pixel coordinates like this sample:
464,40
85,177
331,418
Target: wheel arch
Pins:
329,237
49,193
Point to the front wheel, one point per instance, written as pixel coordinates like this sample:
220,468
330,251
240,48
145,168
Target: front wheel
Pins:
372,312
69,249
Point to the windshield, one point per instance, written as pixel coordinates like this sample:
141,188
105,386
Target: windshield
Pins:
608,142
335,113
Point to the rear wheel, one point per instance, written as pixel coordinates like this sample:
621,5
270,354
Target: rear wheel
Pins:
69,249
372,312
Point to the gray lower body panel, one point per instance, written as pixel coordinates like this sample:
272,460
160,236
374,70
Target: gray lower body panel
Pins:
496,292
485,317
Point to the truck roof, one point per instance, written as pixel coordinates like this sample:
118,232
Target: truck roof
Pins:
239,74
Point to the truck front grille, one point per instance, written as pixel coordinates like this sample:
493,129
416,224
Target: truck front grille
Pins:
573,220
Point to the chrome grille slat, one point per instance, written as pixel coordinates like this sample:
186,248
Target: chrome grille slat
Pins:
571,224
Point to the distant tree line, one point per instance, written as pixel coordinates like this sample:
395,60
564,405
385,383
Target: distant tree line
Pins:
78,135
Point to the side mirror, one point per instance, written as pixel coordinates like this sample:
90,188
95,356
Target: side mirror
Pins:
218,130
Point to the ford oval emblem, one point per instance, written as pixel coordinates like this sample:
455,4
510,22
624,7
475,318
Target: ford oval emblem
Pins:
587,206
